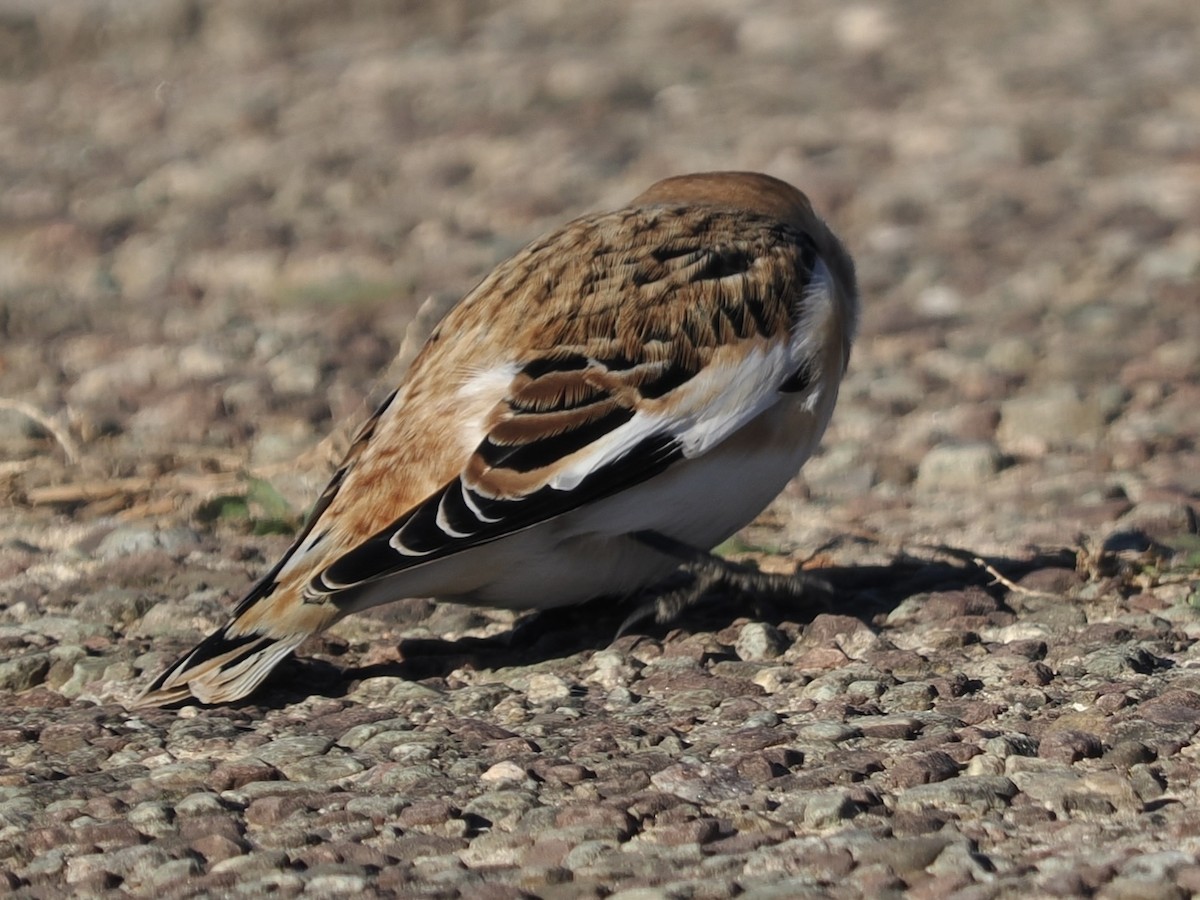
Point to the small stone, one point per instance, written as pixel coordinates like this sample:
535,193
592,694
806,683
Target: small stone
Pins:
172,873
193,827
322,768
587,852
131,539
248,864
335,884
1056,417
828,732
1126,754
237,773
923,768
504,771
758,641
199,804
1172,707
270,811
1118,662
984,765
502,807
702,782
1008,745
152,818
983,793
888,727
612,670
114,605
217,847
1069,746
1159,520
84,673
544,688
24,672
955,466
678,834
189,775
870,690
825,809
290,749
1123,888
912,696
904,855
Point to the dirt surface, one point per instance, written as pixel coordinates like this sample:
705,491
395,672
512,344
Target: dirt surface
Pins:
218,222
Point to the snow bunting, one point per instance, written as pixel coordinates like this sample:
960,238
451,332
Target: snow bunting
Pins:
619,397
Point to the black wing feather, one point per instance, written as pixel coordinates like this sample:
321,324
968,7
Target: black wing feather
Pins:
419,533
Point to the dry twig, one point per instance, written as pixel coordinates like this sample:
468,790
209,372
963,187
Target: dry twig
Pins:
47,423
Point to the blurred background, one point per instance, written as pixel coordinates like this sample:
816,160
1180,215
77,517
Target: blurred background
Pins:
220,224
218,220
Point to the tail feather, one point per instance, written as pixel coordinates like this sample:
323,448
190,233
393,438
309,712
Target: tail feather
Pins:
220,669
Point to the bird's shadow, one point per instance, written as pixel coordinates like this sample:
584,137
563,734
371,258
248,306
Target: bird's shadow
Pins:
865,592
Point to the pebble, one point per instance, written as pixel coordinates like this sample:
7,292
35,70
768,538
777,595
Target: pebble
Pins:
1057,417
757,641
912,696
172,872
24,672
905,855
321,768
828,732
292,749
824,809
152,818
701,783
958,466
504,771
982,793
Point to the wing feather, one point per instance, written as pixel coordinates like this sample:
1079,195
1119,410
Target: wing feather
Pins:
697,345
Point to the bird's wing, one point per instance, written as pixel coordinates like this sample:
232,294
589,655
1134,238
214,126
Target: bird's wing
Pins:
701,342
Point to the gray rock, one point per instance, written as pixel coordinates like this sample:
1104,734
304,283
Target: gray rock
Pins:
321,768
113,606
759,641
257,863
172,873
293,748
502,806
586,853
152,818
24,672
67,629
199,804
912,696
824,809
828,732
904,855
1058,416
982,793
957,466
336,884
130,539
701,782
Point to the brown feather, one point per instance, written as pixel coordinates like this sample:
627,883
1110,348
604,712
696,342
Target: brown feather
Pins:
609,314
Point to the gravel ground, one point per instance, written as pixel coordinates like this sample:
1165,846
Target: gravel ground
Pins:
218,223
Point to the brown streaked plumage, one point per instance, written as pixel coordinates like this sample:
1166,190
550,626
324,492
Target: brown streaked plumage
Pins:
664,368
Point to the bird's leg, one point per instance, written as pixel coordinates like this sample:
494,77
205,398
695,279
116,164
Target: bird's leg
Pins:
708,571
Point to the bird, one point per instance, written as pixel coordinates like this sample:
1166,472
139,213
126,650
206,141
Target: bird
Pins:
600,411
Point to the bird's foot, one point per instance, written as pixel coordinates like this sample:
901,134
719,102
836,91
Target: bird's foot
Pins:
707,574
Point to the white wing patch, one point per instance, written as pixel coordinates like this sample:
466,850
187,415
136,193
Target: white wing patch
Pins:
739,384
817,314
